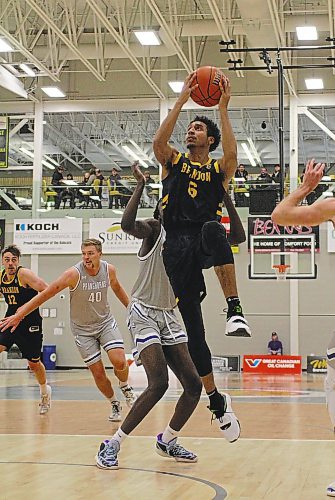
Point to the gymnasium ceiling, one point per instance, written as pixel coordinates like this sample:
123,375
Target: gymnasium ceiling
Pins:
89,50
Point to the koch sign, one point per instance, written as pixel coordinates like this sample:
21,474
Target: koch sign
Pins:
48,236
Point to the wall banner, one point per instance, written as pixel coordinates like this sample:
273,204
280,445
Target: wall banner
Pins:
113,239
48,236
4,141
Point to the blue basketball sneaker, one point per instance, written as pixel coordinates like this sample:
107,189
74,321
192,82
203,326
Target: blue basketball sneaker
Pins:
106,458
174,450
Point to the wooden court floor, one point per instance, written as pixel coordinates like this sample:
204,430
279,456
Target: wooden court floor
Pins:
286,450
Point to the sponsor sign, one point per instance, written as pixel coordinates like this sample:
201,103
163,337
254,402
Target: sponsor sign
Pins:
264,226
4,141
2,233
226,363
113,239
316,364
261,363
48,236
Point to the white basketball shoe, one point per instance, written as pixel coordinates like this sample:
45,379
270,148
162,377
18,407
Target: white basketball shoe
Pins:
45,403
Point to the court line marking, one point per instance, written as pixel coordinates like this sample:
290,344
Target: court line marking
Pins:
194,438
220,492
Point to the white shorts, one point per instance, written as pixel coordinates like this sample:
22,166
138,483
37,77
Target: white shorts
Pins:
153,326
90,346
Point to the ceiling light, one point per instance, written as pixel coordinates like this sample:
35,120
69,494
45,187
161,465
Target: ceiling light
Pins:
27,69
51,160
321,125
307,33
27,152
53,91
31,155
314,83
248,153
12,69
4,46
135,156
176,86
147,37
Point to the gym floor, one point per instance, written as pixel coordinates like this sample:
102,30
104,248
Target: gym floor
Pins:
286,449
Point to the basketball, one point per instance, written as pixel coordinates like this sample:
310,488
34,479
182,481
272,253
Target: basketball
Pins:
208,92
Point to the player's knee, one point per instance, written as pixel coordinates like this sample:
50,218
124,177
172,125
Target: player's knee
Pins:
215,243
158,387
194,386
34,364
120,364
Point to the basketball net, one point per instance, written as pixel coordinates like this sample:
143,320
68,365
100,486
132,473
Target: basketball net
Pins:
281,271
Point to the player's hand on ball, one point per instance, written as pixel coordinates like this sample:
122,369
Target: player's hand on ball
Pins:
187,88
225,92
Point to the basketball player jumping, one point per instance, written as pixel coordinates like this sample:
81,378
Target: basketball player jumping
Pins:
92,322
18,285
193,189
288,212
159,340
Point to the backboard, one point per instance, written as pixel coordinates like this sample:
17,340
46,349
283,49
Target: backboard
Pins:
295,252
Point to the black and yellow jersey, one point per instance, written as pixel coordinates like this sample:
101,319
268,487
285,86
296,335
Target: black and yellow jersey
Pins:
192,193
16,295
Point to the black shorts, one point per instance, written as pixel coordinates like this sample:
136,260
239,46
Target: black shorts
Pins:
27,337
184,259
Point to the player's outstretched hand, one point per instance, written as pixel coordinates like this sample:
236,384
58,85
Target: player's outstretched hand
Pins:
313,174
225,92
10,322
136,171
188,87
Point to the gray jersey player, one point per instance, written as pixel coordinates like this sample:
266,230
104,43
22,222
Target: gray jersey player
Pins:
92,322
159,339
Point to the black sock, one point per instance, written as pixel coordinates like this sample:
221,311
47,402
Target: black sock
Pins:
216,402
234,306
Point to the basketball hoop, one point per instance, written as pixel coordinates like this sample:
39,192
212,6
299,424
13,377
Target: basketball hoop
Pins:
281,271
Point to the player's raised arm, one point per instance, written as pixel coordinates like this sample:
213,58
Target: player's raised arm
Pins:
138,228
228,162
165,153
288,211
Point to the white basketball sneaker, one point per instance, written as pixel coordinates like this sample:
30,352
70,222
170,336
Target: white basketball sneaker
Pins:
331,490
115,415
129,395
226,419
237,326
45,403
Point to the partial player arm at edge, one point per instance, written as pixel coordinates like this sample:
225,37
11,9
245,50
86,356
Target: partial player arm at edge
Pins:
68,279
116,286
237,233
288,213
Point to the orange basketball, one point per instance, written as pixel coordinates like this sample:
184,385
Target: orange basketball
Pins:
208,92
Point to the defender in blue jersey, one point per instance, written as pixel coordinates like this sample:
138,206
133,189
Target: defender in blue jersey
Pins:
194,185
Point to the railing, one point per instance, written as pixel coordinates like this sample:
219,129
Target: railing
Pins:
74,195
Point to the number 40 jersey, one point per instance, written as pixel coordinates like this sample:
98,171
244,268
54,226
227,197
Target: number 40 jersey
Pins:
89,308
